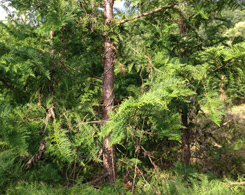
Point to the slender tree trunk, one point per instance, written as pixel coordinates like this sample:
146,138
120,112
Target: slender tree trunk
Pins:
109,157
185,148
182,27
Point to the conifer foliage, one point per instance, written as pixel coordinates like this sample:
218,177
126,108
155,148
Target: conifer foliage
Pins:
83,84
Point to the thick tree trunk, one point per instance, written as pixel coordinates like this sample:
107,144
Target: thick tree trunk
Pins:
109,157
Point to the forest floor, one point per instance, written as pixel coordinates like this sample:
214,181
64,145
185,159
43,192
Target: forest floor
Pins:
238,114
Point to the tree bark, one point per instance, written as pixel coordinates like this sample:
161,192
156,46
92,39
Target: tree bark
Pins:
109,157
185,148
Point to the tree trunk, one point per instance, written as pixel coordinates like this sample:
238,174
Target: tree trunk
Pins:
109,157
185,148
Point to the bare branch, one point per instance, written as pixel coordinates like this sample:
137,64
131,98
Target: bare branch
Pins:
190,83
98,179
72,68
92,76
173,20
96,85
215,70
236,183
69,111
148,13
7,85
134,165
96,77
27,81
89,122
192,15
37,156
213,129
29,120
150,156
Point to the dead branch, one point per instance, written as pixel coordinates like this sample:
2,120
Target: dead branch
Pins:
6,84
148,13
96,77
98,179
213,129
191,15
236,183
92,76
49,114
72,68
137,169
155,166
29,120
100,122
37,156
172,20
26,83
96,84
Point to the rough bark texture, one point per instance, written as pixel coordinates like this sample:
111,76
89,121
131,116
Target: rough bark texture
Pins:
182,27
185,148
109,157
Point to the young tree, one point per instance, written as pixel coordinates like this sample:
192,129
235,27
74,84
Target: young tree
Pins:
109,155
49,82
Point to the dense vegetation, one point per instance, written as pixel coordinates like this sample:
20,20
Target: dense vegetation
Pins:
144,100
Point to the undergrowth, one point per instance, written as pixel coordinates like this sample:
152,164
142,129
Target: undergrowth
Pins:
181,181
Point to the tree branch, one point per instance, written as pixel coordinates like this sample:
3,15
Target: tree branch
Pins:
100,121
213,129
215,70
192,15
99,178
72,68
37,156
130,163
173,20
149,58
29,120
7,85
92,76
148,13
96,77
96,84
